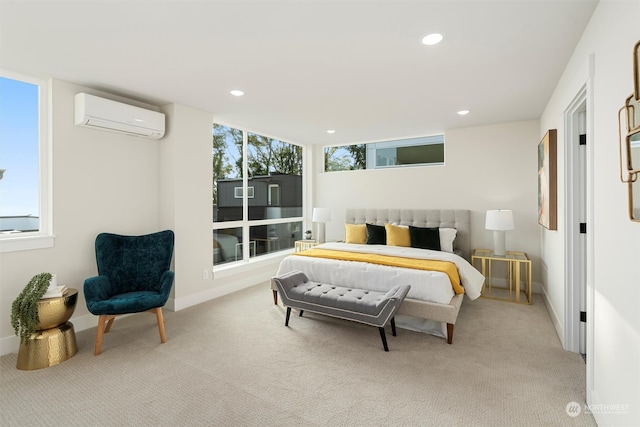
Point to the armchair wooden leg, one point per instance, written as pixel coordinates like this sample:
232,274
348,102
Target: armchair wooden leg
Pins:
98,346
109,323
108,318
158,312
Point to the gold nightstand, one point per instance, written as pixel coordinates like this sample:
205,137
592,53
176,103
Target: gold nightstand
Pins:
518,274
302,245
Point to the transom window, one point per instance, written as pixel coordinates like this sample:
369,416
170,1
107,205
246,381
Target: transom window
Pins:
423,151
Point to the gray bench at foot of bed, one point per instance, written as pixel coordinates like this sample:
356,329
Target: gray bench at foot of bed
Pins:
368,307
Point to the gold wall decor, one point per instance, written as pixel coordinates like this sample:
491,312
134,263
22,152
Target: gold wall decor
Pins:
629,140
636,70
547,181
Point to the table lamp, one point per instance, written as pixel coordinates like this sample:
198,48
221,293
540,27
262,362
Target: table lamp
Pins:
499,221
321,216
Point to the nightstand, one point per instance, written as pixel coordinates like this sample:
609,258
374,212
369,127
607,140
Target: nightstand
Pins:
518,280
301,245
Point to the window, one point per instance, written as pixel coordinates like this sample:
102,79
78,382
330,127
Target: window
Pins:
237,192
274,195
24,174
257,197
428,150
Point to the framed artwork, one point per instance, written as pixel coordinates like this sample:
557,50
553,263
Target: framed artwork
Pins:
547,181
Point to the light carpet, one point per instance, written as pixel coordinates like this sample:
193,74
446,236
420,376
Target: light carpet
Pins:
232,362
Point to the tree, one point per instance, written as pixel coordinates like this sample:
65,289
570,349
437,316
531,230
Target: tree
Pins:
348,157
359,154
221,165
269,156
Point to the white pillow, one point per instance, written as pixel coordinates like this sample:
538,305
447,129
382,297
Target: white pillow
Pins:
447,236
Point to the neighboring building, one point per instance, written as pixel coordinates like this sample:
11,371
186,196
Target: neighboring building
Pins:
270,196
18,223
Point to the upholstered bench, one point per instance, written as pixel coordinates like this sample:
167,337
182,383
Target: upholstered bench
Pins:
368,307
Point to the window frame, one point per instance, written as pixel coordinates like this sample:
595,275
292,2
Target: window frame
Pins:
245,223
43,238
372,147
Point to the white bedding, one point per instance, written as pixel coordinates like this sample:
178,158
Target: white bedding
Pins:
425,285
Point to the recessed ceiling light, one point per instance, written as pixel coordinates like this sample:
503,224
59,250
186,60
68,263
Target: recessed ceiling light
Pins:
432,39
236,92
331,131
463,112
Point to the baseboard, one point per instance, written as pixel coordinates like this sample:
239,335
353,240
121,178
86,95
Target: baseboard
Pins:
12,344
209,294
557,324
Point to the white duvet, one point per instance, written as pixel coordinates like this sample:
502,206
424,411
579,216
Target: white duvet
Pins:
430,286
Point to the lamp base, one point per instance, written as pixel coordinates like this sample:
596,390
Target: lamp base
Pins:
320,235
498,243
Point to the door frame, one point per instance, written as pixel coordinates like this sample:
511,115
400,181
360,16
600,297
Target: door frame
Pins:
584,97
575,268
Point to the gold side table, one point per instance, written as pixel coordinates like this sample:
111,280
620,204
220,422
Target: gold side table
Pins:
302,245
518,273
54,340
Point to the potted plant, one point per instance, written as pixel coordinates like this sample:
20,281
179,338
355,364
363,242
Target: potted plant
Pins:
24,309
308,234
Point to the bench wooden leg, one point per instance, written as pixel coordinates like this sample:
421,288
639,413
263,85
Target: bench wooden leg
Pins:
384,338
301,311
275,297
393,326
449,333
286,321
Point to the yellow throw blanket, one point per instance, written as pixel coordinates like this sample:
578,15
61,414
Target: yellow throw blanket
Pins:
447,267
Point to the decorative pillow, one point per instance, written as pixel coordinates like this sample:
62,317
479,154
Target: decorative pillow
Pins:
376,235
355,233
425,237
397,236
447,236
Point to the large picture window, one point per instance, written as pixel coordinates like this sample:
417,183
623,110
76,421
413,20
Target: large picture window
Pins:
423,151
257,198
24,173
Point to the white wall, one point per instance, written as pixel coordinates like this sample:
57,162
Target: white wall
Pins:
613,359
487,167
185,196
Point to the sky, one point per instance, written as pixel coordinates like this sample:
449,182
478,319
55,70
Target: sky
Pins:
18,148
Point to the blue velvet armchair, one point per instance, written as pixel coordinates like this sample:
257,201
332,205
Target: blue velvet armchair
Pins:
133,276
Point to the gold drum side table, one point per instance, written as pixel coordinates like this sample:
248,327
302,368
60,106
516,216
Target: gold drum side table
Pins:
54,340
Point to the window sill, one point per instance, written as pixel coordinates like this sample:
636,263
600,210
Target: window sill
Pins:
25,243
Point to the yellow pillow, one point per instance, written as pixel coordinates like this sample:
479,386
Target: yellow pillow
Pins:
356,233
397,236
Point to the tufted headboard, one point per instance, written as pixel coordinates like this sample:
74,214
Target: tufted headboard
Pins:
459,219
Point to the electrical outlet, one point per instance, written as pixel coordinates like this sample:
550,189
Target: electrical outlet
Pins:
205,274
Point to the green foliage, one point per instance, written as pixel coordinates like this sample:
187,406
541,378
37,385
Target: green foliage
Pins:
24,309
359,154
346,157
266,156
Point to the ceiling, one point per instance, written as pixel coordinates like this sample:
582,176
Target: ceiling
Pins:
307,66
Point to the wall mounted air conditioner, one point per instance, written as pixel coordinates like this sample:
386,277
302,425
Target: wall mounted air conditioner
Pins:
104,114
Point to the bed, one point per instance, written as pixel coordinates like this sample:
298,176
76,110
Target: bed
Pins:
434,301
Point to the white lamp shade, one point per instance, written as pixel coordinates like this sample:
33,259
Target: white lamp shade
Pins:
321,215
499,219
